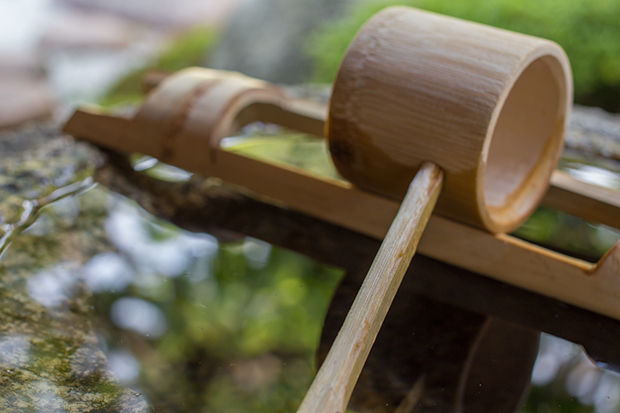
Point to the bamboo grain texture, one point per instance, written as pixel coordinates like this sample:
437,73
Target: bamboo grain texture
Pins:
334,383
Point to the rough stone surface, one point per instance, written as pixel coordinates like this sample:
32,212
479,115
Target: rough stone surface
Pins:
50,357
34,162
265,38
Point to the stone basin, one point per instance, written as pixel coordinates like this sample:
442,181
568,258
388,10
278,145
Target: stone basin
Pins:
105,308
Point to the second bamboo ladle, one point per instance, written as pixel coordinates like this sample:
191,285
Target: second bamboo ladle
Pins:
418,96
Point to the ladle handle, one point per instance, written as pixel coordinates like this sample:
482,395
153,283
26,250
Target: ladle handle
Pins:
334,383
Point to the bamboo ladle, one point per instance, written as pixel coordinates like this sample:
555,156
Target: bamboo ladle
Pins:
419,95
487,107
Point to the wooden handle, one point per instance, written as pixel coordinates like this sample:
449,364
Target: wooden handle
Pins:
334,383
488,106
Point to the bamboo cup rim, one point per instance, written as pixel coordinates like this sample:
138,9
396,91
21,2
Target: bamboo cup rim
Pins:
526,136
488,106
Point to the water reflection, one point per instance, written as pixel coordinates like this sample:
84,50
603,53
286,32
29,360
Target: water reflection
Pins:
48,397
154,248
125,366
594,387
192,324
563,370
554,354
54,286
138,315
108,271
570,234
256,252
595,175
187,322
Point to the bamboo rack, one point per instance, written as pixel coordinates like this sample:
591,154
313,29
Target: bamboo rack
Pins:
592,286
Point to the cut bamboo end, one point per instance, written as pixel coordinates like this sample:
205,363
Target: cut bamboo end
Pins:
490,107
185,117
195,108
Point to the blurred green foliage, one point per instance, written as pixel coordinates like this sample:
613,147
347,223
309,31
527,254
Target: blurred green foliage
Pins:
587,29
187,49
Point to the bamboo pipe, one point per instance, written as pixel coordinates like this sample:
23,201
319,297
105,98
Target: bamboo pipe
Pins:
502,257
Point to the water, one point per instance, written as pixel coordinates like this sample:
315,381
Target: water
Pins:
100,298
160,301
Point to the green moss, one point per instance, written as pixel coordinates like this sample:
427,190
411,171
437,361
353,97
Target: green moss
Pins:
185,50
587,29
